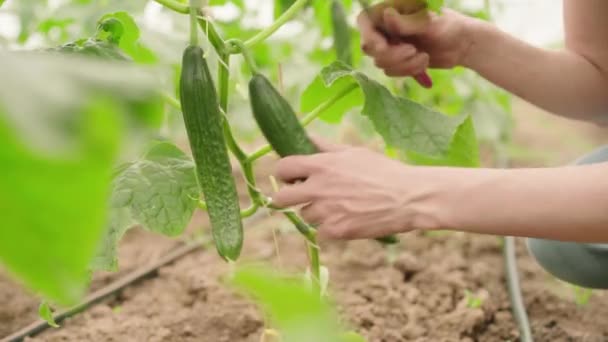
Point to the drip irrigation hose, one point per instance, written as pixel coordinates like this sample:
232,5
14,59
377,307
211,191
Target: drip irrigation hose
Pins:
103,293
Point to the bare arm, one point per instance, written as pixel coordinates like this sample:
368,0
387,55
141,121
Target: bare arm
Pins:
568,203
572,82
353,193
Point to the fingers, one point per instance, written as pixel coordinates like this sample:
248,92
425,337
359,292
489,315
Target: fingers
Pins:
293,195
414,66
395,55
406,24
294,168
372,41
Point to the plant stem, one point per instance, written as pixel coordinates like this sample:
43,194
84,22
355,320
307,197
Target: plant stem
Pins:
233,145
315,265
172,101
308,119
237,46
212,35
284,18
303,227
223,75
193,23
174,5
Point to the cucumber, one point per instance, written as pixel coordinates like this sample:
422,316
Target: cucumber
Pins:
342,38
203,120
277,119
280,125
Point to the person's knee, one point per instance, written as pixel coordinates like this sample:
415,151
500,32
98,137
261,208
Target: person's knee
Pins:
580,264
584,265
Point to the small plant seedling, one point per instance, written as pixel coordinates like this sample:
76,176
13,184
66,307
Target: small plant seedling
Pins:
582,295
46,313
473,301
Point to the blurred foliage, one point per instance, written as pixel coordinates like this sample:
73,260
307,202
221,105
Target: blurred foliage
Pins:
292,306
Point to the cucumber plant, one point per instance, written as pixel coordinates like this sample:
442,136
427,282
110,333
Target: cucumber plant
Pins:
161,189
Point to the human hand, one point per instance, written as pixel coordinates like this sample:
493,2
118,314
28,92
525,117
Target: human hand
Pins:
425,40
353,193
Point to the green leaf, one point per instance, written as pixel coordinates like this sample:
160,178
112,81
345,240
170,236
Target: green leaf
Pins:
435,5
62,120
463,151
92,48
159,191
62,85
120,28
291,304
317,92
45,312
404,124
55,207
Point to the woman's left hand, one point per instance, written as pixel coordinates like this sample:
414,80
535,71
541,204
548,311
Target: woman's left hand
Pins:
354,193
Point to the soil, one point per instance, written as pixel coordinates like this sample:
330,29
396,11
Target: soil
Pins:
417,292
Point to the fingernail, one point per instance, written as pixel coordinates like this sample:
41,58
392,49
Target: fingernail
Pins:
425,80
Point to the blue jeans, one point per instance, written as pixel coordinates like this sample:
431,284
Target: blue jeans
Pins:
585,265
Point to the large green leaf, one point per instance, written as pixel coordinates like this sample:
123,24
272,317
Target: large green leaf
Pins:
463,150
404,124
62,120
53,209
159,191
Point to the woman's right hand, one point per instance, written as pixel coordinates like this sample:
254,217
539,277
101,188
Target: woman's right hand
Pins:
437,41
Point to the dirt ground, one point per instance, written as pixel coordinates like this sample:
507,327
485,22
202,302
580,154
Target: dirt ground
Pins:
421,295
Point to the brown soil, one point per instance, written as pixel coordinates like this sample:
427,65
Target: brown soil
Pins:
420,296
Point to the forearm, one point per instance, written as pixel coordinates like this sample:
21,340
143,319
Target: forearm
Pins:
563,82
569,203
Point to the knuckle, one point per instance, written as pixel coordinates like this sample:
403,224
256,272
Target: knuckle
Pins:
341,232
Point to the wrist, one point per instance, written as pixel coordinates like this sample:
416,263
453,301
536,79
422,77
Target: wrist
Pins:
425,207
452,197
479,34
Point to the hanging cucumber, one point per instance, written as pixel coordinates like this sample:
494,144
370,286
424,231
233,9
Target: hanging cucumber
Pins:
203,120
280,125
277,119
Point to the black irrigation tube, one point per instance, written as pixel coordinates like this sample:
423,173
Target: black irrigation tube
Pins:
105,292
517,303
98,296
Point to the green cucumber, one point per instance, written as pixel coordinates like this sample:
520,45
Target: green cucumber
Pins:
280,125
203,120
277,119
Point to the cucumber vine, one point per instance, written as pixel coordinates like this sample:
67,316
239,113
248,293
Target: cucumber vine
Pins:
225,49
